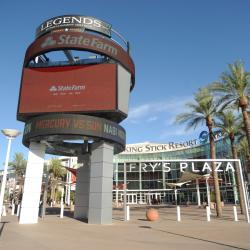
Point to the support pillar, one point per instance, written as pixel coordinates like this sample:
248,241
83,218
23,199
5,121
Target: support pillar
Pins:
140,184
32,184
116,184
82,188
101,182
198,193
208,193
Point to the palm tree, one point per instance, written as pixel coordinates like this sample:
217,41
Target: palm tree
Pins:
230,126
56,172
244,153
19,165
234,88
202,111
243,148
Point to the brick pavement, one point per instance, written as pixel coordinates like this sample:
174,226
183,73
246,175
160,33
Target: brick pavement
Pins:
193,232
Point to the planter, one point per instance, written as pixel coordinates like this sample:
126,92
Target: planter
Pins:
212,205
152,214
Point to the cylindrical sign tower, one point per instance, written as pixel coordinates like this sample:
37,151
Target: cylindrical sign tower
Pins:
76,80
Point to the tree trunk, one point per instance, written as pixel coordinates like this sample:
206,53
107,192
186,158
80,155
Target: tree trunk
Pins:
53,192
45,196
247,125
215,174
247,130
238,179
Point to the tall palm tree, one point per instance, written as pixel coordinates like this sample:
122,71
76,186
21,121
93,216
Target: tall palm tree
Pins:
230,125
56,172
234,88
244,153
243,148
19,165
203,111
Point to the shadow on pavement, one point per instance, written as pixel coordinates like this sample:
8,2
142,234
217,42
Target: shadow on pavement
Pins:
195,238
66,213
2,226
148,227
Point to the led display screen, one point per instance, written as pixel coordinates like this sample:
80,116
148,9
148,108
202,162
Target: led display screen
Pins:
68,89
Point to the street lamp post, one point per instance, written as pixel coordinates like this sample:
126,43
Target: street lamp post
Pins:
10,135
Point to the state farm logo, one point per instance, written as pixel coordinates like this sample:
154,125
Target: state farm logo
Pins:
53,89
67,88
80,40
49,41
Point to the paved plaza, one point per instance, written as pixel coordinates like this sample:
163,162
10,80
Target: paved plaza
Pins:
193,232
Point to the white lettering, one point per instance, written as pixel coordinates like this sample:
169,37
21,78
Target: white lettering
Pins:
217,169
57,21
62,39
153,166
165,166
87,21
183,165
49,24
80,40
230,166
193,168
97,23
206,167
74,19
145,166
66,19
132,166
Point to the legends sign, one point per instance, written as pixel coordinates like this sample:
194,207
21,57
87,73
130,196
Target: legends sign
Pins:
74,21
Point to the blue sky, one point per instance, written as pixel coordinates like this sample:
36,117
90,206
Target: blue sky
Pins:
177,46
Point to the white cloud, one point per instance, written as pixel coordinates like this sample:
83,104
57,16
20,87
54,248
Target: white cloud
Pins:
177,131
152,119
151,111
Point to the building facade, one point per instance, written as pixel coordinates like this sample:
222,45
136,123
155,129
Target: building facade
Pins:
148,182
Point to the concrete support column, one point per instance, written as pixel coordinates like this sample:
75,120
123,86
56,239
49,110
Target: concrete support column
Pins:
101,182
140,184
198,193
32,184
163,177
116,184
82,188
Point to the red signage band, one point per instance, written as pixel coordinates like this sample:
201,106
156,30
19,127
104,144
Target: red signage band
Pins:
80,41
68,89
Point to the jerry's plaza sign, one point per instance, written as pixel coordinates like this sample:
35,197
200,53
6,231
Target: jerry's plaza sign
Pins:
195,166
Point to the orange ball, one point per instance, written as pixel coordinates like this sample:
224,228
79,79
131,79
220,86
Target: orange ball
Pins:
152,214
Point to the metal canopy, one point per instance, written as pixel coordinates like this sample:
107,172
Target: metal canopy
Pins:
189,176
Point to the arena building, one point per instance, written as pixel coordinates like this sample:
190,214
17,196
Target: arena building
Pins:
147,182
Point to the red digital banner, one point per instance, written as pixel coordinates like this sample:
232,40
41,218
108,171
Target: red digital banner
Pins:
68,89
80,41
